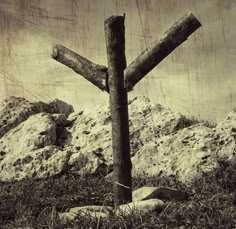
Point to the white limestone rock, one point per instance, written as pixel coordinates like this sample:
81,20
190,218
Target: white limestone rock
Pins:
163,193
91,130
15,110
84,163
36,132
29,150
95,212
162,141
140,207
186,154
90,211
226,136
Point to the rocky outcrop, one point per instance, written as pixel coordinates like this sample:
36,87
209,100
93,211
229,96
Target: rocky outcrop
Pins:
40,140
16,110
186,154
29,144
91,132
29,150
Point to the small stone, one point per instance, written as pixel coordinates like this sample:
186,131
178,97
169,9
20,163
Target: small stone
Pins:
140,207
91,211
162,193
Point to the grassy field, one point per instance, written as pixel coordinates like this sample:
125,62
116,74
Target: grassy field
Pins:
35,203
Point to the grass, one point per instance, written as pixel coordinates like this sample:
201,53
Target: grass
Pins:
34,203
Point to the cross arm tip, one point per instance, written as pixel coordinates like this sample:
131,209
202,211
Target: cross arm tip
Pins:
55,50
191,15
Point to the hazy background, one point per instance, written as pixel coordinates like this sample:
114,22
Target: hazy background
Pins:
197,79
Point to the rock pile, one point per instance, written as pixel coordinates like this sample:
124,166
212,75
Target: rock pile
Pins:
41,140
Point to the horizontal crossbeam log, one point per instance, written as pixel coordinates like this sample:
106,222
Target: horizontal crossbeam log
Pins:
153,55
96,74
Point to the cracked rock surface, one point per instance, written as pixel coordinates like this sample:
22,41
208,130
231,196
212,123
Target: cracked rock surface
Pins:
44,139
28,146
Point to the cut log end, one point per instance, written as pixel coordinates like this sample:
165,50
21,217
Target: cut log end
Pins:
54,53
113,19
193,18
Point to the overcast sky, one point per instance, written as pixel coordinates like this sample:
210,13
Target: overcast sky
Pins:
198,78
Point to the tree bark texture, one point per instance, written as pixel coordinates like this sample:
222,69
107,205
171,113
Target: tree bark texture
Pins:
153,55
115,43
96,74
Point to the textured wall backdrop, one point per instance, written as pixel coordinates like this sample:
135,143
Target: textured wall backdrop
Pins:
196,79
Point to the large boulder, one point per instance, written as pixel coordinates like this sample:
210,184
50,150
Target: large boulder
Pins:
36,132
32,135
186,154
91,132
29,150
15,110
149,121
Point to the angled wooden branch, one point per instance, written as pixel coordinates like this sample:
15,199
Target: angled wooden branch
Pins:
153,55
96,74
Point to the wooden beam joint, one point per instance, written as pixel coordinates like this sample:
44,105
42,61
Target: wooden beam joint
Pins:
94,73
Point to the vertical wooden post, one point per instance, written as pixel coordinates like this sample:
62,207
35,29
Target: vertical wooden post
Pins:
115,43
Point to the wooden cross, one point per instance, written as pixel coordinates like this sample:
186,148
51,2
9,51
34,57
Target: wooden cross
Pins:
118,79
